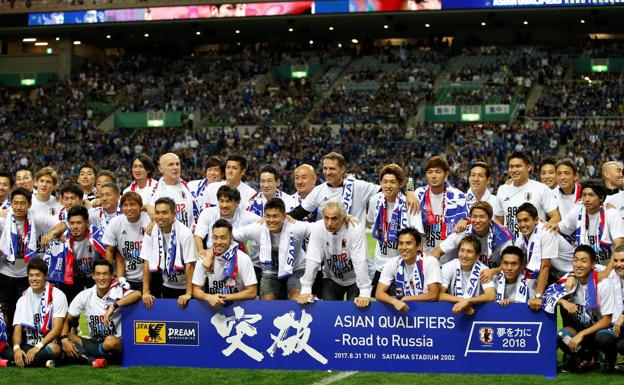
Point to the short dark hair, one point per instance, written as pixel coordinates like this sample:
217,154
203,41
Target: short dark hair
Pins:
275,203
472,240
228,192
587,249
437,161
546,161
108,174
215,161
21,191
6,174
393,169
513,250
166,201
88,165
72,188
146,161
267,168
24,168
37,264
103,262
485,206
520,155
221,223
237,158
597,186
410,231
567,162
131,196
529,208
78,211
335,156
488,170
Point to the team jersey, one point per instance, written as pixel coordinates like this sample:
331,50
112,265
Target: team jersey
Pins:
488,197
510,197
243,188
361,194
50,207
100,218
127,238
85,256
181,196
431,272
28,313
448,275
209,216
145,192
215,282
585,316
385,251
450,247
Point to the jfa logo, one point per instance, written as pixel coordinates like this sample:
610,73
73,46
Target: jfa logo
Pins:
486,335
149,332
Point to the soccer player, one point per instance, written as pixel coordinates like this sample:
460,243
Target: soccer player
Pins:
593,224
568,191
548,172
24,179
104,176
123,239
443,206
493,237
342,248
460,279
142,172
43,202
170,253
100,304
71,196
280,253
235,167
387,211
6,186
353,193
617,278
521,190
511,282
269,188
38,321
415,277
586,314
19,243
215,169
612,175
86,181
173,187
232,276
101,216
85,246
479,179
547,253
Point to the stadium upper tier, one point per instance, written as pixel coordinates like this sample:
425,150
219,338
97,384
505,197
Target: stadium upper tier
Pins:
375,96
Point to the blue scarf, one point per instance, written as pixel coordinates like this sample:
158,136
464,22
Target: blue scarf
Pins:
454,208
398,221
406,286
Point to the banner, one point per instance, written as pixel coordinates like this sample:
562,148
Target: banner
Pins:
445,110
334,335
497,109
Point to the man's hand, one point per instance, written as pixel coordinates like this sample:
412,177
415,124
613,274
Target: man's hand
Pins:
535,303
69,348
400,305
4,213
208,260
30,355
569,307
617,326
109,313
351,220
462,306
19,357
304,299
46,239
362,302
183,300
504,302
148,300
570,282
413,205
486,275
603,274
552,226
460,226
215,300
575,342
149,228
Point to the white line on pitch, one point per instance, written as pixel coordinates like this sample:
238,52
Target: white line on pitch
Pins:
334,378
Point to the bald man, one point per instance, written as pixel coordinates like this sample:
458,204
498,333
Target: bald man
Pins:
612,175
305,180
172,186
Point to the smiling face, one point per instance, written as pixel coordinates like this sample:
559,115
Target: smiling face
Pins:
139,173
511,265
582,265
390,186
86,178
221,239
110,198
213,174
5,188
333,172
268,184
518,171
227,207
45,186
164,216
526,223
618,263
24,179
480,221
20,206
566,177
132,210
103,277
274,219
305,179
548,175
408,248
36,280
467,256
170,168
478,179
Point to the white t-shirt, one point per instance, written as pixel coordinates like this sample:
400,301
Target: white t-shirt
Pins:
450,247
50,207
253,232
566,203
617,200
186,246
433,235
243,188
216,283
127,238
387,250
606,298
362,193
448,279
42,225
614,224
510,197
344,256
289,201
553,247
209,216
58,310
100,218
182,198
85,256
431,269
145,192
488,197
94,307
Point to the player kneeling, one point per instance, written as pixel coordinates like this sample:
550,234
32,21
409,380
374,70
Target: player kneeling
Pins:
100,304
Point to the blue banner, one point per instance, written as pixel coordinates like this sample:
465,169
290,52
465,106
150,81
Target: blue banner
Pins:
338,336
